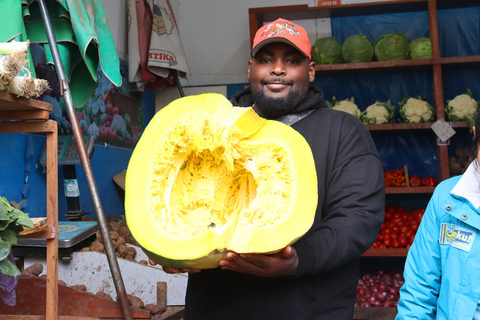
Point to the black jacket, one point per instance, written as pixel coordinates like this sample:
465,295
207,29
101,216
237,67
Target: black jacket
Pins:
349,215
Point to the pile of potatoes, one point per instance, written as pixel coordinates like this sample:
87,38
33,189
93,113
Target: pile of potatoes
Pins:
120,235
460,162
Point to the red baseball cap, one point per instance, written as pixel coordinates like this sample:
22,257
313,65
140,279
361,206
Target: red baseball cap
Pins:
282,30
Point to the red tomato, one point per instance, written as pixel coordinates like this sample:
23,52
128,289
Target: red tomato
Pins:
387,243
405,215
388,216
393,236
418,215
403,242
395,244
409,233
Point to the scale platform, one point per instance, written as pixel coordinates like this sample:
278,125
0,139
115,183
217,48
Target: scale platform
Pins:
70,233
67,150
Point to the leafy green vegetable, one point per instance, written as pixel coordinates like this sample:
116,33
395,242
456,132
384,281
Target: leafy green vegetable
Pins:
327,50
421,48
357,48
393,46
12,222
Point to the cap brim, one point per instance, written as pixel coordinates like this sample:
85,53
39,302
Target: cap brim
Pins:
272,40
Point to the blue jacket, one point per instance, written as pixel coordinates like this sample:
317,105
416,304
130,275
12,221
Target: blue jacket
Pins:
442,270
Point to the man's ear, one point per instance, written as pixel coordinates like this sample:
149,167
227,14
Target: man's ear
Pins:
311,71
249,66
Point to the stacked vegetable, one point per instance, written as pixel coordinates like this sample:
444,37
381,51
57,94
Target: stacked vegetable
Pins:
346,105
460,161
379,290
13,62
359,48
399,227
463,108
395,178
415,110
378,113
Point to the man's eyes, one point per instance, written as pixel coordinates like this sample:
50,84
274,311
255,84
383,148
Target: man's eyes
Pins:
288,61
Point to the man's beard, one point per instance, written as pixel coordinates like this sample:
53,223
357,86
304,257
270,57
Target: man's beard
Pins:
274,107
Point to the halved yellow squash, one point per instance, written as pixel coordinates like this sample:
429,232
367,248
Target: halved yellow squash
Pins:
207,177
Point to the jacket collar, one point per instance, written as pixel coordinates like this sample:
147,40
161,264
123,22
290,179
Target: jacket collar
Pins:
468,187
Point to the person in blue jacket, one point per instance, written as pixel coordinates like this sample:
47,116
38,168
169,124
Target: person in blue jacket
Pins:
442,269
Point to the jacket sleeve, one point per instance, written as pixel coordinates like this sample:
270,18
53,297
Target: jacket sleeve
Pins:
351,199
419,293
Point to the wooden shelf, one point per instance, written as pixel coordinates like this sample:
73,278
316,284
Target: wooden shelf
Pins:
411,190
375,252
22,115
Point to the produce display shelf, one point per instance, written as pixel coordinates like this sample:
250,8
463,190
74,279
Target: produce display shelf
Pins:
408,190
389,252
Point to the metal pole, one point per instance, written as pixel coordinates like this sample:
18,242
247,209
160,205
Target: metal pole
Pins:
92,187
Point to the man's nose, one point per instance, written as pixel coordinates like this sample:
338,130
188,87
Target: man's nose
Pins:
278,68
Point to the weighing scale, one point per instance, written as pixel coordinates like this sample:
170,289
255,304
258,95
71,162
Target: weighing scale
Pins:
70,233
68,157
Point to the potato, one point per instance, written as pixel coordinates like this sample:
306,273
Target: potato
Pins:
114,235
122,250
124,231
104,295
154,308
134,301
120,241
113,226
132,251
97,246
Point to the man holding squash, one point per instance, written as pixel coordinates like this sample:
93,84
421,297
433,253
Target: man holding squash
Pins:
317,276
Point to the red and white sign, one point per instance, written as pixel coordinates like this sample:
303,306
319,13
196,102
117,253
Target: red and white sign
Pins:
323,3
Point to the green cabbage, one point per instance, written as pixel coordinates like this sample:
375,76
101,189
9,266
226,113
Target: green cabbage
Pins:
327,50
357,48
421,48
392,46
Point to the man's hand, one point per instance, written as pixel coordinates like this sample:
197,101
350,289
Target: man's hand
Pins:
283,263
175,270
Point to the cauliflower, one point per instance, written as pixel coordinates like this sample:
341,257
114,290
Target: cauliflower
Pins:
379,112
462,107
346,105
414,110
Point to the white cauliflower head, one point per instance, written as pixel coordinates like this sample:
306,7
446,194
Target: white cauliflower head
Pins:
462,107
416,110
378,113
347,106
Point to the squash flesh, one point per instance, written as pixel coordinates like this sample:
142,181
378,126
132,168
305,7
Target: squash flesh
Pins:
209,185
